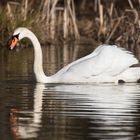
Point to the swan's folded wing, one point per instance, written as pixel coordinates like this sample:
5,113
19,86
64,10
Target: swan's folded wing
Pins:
106,59
122,60
93,66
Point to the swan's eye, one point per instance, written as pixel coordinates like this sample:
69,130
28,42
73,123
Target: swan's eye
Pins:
15,36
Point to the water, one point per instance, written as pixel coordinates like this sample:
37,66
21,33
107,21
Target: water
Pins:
63,112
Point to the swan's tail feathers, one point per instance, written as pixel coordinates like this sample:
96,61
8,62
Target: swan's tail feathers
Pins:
131,75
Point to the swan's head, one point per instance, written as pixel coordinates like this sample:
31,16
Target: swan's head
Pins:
18,34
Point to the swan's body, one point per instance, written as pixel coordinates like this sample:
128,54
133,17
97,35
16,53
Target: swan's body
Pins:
108,63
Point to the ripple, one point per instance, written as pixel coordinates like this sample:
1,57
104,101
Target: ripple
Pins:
105,112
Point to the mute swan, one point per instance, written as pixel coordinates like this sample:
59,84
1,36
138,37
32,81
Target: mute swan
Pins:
108,63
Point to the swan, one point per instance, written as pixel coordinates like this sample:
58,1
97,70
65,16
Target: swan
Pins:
107,63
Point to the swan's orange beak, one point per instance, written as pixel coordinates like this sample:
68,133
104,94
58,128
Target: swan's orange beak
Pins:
13,43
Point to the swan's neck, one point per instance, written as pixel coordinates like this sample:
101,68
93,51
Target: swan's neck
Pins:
38,62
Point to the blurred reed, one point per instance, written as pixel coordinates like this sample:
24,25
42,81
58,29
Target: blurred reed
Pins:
51,19
112,22
101,21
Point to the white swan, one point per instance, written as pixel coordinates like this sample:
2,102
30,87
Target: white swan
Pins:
108,63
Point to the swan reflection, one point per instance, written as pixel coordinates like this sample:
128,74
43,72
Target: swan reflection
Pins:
98,111
111,110
26,124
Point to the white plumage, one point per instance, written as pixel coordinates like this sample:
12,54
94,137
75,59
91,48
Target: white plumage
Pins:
108,63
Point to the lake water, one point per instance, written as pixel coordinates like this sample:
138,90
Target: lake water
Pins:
62,112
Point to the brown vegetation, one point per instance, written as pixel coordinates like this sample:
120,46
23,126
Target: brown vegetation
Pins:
49,19
102,21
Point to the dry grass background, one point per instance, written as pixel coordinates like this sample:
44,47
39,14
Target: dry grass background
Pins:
111,21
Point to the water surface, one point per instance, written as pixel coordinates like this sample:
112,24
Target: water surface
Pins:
63,112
